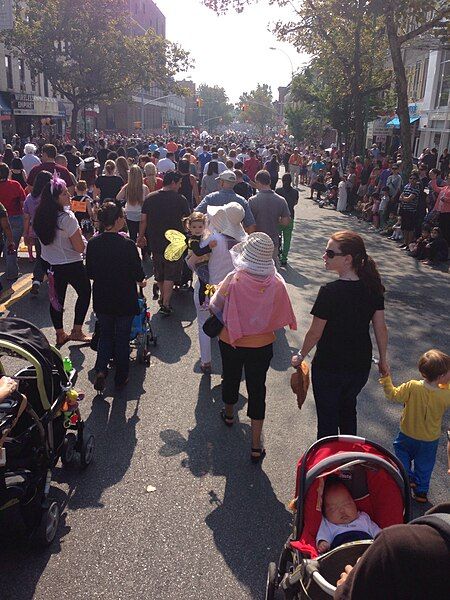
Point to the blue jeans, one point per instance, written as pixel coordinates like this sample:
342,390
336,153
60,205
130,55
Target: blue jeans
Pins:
114,342
12,268
422,454
335,395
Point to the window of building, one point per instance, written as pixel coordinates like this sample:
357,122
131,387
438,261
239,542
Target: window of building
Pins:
21,63
443,86
45,87
9,73
423,84
33,81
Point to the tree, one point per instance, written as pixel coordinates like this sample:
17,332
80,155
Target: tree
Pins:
86,51
215,105
256,107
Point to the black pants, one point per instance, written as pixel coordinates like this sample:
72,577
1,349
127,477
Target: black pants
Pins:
75,275
335,395
133,229
256,363
444,226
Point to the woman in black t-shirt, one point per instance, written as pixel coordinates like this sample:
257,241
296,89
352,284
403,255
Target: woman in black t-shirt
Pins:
107,186
342,315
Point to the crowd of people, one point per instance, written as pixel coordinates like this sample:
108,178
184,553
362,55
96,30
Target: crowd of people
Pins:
212,211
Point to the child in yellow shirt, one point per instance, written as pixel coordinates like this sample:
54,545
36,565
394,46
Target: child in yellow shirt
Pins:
424,404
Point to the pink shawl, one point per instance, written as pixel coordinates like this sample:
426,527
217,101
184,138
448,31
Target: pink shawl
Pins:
250,305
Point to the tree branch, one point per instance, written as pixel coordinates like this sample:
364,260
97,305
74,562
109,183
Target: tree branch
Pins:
425,27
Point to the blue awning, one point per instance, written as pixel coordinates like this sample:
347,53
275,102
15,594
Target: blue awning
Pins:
395,122
5,104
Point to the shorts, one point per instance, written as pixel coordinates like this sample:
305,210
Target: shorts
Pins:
166,270
408,219
362,190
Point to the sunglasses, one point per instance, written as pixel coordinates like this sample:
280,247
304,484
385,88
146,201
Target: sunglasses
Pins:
332,253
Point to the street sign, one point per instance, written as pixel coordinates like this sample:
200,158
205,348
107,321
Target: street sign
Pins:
6,15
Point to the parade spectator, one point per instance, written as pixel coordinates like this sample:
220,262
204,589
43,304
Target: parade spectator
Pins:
291,195
73,160
294,162
108,185
122,168
442,204
12,197
221,167
48,163
437,247
444,162
111,259
62,247
166,163
29,210
151,179
8,155
163,210
269,209
133,194
242,188
272,166
409,200
342,314
250,320
210,181
225,195
252,165
189,185
29,159
18,172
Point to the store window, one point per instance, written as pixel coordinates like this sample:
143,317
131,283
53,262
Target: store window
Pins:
21,64
443,87
9,73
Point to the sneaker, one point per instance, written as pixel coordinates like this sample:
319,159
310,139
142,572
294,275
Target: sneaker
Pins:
100,382
166,311
35,288
420,497
155,292
403,247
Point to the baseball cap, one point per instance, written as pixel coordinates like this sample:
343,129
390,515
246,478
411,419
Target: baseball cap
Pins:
227,176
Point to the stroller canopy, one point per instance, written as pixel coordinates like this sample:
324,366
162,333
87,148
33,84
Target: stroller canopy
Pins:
23,339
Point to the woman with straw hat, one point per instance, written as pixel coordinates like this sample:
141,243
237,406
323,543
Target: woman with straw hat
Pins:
252,302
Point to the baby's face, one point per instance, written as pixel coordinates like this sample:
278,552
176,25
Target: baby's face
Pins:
340,507
197,228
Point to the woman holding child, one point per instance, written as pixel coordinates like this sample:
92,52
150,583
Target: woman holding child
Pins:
340,327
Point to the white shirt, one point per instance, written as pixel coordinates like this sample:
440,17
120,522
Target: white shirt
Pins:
164,165
220,263
29,161
242,157
328,531
60,251
221,166
342,196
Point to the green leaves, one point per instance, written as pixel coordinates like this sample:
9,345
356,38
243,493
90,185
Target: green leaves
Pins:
258,108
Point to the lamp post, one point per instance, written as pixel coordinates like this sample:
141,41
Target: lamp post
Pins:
287,56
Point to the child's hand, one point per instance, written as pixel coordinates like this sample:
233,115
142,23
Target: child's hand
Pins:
212,244
323,546
384,368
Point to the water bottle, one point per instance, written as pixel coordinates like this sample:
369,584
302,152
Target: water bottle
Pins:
67,364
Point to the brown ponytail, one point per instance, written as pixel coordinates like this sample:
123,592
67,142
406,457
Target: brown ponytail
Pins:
364,266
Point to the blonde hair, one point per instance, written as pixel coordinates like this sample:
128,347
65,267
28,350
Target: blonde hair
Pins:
81,186
134,191
110,166
122,168
150,176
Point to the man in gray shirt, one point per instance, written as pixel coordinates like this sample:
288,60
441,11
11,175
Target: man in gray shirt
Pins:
225,195
269,209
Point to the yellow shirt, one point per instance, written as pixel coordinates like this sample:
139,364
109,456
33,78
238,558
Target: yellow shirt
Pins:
424,407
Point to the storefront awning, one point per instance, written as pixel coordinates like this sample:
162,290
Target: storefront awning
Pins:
5,105
395,122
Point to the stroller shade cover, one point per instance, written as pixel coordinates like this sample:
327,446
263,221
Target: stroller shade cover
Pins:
25,340
375,484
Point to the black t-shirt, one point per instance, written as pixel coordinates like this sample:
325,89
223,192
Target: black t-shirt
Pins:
113,262
102,156
109,186
290,195
243,189
72,162
348,308
165,210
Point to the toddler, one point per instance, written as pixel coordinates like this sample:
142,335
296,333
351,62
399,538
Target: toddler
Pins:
397,234
82,207
424,404
197,257
437,248
342,522
418,249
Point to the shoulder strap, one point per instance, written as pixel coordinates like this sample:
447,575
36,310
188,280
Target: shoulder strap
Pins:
439,521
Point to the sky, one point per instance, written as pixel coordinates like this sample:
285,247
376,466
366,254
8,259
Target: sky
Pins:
232,51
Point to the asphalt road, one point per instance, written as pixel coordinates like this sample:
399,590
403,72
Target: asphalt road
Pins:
214,520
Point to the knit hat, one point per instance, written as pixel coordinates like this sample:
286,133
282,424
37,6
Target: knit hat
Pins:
227,219
254,255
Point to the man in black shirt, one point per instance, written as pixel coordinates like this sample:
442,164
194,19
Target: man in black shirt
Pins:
163,210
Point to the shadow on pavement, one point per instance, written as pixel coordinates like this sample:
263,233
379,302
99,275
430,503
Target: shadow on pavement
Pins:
249,524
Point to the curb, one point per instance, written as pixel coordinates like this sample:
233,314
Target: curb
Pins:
19,290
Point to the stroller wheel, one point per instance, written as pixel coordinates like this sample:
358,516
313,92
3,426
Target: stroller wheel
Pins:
272,582
87,451
68,449
47,528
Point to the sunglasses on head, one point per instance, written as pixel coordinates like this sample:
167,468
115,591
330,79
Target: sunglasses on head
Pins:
332,253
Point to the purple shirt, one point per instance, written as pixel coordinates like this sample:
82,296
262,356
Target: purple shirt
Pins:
29,208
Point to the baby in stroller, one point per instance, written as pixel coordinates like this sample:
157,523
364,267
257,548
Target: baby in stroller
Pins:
342,522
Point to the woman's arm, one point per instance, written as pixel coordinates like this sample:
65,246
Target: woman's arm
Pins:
122,193
26,226
78,242
382,337
312,337
96,193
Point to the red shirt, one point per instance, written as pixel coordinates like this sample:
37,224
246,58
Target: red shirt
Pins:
51,167
172,147
12,197
251,167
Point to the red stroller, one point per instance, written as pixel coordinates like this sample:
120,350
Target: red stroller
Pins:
379,485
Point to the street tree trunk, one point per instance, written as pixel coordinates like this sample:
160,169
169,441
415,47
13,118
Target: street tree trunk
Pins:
74,124
401,86
358,108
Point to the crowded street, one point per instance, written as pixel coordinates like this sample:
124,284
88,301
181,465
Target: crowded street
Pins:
213,521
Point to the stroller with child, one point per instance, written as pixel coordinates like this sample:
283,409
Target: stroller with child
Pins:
142,337
379,485
39,424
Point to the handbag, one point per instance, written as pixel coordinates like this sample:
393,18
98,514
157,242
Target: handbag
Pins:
212,326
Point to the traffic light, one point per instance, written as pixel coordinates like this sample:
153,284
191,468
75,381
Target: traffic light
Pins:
199,102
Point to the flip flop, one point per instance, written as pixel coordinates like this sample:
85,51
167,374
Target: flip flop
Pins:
229,421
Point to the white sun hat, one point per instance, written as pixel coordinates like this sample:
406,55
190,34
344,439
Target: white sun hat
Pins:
227,219
254,255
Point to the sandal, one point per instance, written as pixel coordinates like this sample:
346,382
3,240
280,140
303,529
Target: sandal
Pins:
80,337
229,421
260,454
62,339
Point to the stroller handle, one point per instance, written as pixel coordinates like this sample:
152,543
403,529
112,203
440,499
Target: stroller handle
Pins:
325,586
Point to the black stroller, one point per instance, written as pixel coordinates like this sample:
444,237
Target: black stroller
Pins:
38,426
